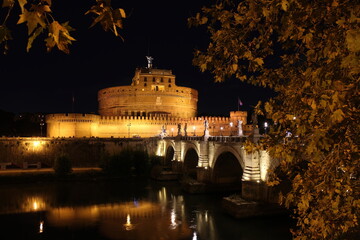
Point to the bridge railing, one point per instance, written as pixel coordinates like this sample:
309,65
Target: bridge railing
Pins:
227,139
215,138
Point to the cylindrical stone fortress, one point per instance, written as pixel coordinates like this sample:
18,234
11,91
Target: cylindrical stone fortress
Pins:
153,92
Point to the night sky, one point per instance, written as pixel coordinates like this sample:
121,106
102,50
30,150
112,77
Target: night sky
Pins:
45,82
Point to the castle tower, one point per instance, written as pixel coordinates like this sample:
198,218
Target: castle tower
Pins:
153,92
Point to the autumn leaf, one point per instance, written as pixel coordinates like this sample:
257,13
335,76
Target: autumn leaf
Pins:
259,61
284,5
353,40
59,36
32,20
234,67
108,18
337,116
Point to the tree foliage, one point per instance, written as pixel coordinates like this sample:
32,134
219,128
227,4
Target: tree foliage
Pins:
39,19
309,53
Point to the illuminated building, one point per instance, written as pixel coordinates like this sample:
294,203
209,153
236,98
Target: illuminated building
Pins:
152,105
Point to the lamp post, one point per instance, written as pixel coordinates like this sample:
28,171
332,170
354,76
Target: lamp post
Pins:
129,125
231,125
194,127
265,126
221,129
172,132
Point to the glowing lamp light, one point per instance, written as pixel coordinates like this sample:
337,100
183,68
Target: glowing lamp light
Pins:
41,227
194,236
128,226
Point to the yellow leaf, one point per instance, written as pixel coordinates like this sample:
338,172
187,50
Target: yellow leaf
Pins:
242,78
122,13
259,61
353,40
32,19
337,116
284,5
235,67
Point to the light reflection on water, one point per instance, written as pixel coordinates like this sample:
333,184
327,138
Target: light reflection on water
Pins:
117,211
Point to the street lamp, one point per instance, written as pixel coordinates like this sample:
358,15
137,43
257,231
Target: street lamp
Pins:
172,132
194,127
129,125
231,125
265,126
221,129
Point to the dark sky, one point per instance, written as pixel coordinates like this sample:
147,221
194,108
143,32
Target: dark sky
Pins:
45,82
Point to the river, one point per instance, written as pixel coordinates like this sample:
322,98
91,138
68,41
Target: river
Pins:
124,209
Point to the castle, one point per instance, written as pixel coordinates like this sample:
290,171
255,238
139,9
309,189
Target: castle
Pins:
153,105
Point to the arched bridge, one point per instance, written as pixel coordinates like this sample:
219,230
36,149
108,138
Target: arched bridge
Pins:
215,159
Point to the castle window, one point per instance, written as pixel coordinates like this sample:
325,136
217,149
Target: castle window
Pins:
145,79
161,80
156,88
169,80
153,79
169,85
145,84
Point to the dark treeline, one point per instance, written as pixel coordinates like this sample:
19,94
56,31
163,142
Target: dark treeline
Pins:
22,124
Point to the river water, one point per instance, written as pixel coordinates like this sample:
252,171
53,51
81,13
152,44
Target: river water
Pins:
124,209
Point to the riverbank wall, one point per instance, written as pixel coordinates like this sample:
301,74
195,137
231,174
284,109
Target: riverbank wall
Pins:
83,152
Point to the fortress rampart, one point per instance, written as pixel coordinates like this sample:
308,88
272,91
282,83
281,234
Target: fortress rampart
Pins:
91,125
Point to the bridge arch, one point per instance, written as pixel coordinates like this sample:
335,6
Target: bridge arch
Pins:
235,151
169,155
228,166
191,161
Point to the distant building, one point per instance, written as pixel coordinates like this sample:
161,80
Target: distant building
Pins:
152,105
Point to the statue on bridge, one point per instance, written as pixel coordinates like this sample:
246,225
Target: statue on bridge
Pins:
179,129
163,132
240,130
255,128
185,129
206,131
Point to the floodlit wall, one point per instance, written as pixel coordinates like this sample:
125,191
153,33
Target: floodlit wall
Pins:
91,125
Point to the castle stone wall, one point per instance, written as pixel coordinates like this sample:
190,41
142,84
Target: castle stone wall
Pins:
153,92
91,125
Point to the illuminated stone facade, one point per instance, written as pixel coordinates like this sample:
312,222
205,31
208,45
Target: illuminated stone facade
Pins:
153,92
150,106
